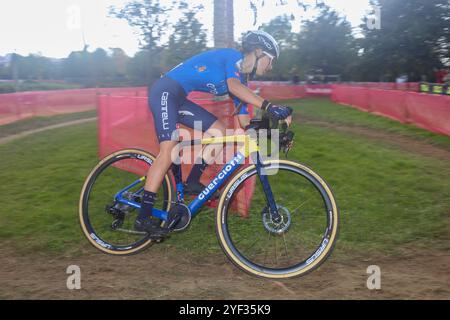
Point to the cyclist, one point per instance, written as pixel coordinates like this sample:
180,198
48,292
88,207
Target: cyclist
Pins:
221,71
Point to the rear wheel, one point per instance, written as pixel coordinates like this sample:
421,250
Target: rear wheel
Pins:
296,245
108,224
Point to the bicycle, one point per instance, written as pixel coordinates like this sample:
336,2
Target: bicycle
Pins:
280,238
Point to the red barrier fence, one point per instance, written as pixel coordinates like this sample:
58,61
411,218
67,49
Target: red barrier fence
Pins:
282,91
22,105
431,112
407,86
18,106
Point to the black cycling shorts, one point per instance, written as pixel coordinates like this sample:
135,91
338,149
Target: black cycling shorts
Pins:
169,106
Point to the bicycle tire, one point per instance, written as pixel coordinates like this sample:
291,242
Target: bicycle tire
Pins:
87,228
314,260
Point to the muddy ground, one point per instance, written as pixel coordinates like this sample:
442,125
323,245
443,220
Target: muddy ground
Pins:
160,274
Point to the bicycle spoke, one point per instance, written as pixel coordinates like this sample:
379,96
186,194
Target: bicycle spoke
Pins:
301,205
276,251
265,256
291,242
285,246
113,177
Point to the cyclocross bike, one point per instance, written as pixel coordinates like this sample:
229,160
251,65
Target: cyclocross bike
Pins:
292,217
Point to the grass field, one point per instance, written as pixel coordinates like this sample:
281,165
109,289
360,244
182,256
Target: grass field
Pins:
389,197
40,122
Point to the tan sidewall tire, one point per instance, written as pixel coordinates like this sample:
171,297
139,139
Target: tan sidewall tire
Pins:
316,263
86,183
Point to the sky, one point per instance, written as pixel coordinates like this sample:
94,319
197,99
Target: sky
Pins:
54,28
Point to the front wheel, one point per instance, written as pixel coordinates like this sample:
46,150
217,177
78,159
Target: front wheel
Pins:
293,247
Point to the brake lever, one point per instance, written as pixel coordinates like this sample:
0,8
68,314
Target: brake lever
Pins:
288,148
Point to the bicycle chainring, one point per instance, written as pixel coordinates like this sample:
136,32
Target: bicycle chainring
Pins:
180,216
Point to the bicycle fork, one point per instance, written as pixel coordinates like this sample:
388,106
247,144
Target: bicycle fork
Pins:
276,217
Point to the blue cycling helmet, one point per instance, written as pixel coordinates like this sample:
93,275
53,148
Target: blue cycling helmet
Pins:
261,39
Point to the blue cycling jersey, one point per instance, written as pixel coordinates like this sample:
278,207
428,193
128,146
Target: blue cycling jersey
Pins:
209,71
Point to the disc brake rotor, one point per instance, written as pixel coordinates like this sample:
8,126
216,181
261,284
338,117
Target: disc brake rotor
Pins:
273,227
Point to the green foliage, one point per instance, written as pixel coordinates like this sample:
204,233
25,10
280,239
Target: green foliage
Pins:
326,44
414,39
188,37
148,17
281,29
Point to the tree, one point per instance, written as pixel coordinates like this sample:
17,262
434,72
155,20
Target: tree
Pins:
101,66
281,29
327,44
414,39
188,37
223,23
76,66
256,5
138,66
119,62
150,18
224,18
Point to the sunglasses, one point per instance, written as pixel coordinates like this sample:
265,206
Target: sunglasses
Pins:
271,57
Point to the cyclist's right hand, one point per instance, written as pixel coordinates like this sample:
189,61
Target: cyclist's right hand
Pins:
279,112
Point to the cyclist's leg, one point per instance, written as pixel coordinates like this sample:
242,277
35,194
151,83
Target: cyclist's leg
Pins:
243,118
191,114
164,100
195,117
160,166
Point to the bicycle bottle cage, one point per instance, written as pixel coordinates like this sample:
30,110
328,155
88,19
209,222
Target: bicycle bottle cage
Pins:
267,123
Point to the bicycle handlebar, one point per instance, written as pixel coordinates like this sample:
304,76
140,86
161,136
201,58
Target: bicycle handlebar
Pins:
269,123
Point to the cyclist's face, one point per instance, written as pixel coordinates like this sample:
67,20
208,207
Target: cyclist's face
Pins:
264,65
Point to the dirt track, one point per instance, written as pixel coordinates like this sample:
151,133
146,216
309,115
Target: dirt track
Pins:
405,143
34,131
155,274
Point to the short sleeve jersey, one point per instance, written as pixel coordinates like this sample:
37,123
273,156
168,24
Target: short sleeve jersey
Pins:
209,71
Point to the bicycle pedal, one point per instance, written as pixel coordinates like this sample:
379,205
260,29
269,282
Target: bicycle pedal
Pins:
158,238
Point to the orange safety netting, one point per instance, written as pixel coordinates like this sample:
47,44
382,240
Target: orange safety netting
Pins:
431,112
